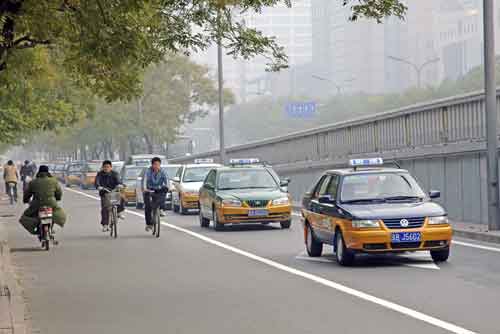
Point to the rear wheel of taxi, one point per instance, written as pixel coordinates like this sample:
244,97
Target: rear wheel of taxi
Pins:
313,246
344,255
286,224
217,226
139,205
440,255
204,222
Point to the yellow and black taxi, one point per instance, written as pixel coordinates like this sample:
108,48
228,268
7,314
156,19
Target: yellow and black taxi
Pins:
369,208
245,192
89,173
187,183
128,176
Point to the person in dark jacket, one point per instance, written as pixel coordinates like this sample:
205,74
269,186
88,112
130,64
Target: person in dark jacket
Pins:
42,191
108,179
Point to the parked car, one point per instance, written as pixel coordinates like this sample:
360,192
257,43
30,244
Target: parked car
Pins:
89,172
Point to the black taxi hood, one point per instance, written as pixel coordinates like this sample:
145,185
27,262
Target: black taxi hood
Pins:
393,210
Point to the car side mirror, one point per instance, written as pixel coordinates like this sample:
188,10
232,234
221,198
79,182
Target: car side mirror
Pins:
434,194
325,199
284,182
209,186
176,179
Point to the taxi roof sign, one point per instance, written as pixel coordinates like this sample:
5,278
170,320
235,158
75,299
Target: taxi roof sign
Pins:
366,162
244,161
203,161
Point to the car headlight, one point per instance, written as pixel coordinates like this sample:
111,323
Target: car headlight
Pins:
281,201
439,220
231,202
365,224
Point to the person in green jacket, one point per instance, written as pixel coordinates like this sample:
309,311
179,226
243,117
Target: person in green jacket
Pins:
44,190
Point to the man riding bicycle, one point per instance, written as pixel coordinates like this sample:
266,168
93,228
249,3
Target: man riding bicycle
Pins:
156,190
26,171
108,180
10,176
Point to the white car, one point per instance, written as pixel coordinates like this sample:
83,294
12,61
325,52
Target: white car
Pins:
187,184
171,170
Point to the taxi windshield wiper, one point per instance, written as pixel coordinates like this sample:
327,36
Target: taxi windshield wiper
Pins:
364,200
402,198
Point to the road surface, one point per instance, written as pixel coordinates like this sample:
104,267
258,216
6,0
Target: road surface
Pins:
244,280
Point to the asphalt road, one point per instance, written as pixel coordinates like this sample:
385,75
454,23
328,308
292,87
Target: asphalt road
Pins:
243,280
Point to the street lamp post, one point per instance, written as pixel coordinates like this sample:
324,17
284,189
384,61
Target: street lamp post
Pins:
491,114
337,86
418,68
222,148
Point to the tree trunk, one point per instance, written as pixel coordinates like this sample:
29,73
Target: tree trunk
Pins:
149,144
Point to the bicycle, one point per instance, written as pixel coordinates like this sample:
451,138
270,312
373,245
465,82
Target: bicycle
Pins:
115,197
155,212
11,192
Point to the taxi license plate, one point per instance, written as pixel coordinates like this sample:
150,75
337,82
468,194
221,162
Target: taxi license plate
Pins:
406,237
258,213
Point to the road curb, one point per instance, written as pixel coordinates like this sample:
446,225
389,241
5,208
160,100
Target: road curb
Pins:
12,305
479,236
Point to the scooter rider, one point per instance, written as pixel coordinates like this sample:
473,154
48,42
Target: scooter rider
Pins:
44,190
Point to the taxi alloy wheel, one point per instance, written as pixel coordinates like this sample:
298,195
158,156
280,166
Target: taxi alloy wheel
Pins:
204,222
313,246
440,255
217,226
175,207
344,255
139,205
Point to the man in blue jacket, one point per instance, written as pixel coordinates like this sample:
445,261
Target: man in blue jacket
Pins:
156,188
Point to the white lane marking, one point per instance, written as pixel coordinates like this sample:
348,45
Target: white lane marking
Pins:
416,264
331,284
467,244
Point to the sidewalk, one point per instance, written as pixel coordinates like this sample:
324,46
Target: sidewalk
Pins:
12,305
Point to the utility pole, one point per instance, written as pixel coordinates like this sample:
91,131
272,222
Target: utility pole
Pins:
491,114
222,148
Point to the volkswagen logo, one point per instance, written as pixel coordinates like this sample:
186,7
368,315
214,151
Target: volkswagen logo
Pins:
404,223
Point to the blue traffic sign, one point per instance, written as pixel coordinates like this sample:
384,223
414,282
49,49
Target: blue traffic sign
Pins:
301,109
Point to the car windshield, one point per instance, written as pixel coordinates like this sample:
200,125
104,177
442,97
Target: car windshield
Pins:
245,179
171,171
196,174
93,167
131,173
380,187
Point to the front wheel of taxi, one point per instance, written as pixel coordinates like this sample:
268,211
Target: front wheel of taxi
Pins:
344,255
204,222
286,224
440,255
314,247
217,226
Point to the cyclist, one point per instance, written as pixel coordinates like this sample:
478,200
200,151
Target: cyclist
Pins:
42,191
156,189
11,177
26,171
109,179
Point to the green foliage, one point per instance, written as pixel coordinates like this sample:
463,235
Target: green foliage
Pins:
174,92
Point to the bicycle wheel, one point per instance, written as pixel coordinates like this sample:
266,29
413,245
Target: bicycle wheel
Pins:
154,215
114,223
157,223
